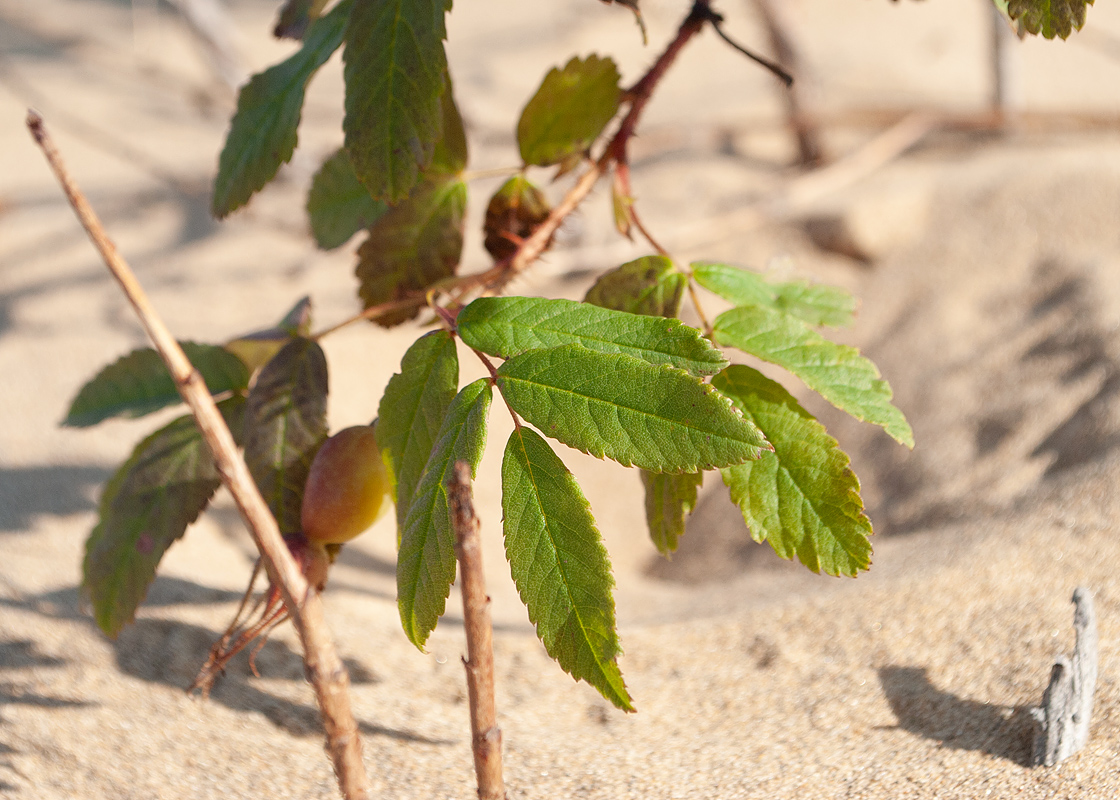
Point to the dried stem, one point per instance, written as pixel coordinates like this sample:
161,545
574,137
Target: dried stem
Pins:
486,736
325,669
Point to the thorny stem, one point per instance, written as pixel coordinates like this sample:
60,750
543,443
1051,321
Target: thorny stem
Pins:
325,669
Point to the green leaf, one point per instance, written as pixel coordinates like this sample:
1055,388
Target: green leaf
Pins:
394,71
839,373
1049,17
338,205
416,244
139,383
509,326
560,565
285,422
650,285
668,498
450,155
262,135
803,498
618,406
815,304
296,16
258,348
148,504
569,110
412,410
426,561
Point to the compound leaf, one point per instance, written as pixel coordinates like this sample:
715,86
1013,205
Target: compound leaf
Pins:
414,245
394,72
139,383
148,504
338,205
426,561
509,326
412,410
839,373
650,285
668,499
815,304
285,422
560,565
262,135
618,406
803,498
1049,18
569,110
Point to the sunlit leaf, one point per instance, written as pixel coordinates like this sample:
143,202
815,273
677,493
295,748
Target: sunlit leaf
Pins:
509,326
513,213
803,498
426,561
560,565
669,498
148,504
285,422
394,71
839,373
1049,18
621,407
262,135
139,383
412,410
815,304
414,245
338,205
257,348
569,110
650,285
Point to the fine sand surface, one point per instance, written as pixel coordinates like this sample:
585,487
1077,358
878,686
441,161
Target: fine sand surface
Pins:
990,294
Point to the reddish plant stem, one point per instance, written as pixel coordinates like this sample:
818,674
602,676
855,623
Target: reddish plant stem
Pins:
325,669
486,736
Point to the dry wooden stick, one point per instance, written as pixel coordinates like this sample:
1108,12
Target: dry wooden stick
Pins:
325,669
486,736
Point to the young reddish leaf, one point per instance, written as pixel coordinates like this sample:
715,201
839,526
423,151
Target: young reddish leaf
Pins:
394,72
650,285
803,498
338,205
285,422
139,383
837,372
1049,17
415,244
509,326
633,412
412,410
569,110
514,212
815,304
148,504
668,499
426,560
560,565
258,348
262,135
296,16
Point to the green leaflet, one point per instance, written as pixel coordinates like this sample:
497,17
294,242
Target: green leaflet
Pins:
450,154
416,244
803,498
839,373
258,348
394,71
650,285
139,383
618,406
338,205
815,304
262,135
285,422
510,326
1049,17
148,504
426,560
569,110
560,565
668,498
412,410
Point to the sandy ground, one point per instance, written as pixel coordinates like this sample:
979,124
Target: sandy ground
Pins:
991,301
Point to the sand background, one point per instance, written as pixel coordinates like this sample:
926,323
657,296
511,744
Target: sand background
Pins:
990,300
